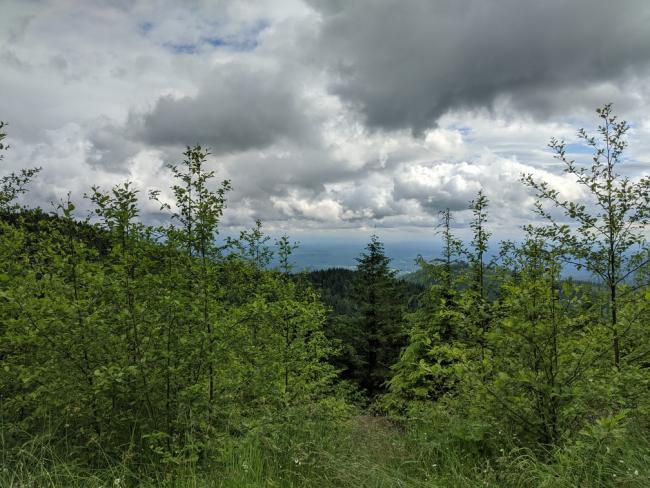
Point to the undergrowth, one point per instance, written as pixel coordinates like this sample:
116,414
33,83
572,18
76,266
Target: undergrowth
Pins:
362,452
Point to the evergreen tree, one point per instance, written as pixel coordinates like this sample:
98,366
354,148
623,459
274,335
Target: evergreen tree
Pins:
476,299
379,318
425,370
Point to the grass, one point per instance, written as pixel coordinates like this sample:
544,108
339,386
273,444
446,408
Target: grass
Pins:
362,452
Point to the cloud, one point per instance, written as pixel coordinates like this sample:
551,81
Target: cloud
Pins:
110,148
403,64
325,209
311,111
236,108
412,194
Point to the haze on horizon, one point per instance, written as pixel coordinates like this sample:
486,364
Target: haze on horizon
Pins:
332,119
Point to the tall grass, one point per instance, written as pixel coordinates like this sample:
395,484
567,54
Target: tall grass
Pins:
361,452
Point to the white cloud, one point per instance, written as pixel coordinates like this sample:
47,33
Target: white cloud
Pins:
99,92
325,209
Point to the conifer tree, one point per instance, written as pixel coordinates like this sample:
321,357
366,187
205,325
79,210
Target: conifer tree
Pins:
379,318
425,370
476,302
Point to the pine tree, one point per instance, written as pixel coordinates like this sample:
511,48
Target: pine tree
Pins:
425,370
378,318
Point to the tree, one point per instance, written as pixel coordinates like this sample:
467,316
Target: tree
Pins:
149,340
129,277
378,318
3,136
425,370
13,184
605,233
475,301
252,245
546,376
199,212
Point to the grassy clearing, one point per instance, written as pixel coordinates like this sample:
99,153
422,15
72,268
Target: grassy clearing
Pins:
363,452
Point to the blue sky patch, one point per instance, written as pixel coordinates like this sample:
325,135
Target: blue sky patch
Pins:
216,41
247,40
243,41
145,27
578,148
182,48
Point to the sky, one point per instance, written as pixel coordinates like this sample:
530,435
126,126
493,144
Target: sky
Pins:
333,119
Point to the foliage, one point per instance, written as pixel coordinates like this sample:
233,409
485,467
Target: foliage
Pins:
148,341
136,355
336,288
426,368
607,236
377,320
547,377
14,184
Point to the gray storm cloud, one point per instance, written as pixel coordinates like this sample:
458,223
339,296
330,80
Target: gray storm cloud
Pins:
236,108
404,63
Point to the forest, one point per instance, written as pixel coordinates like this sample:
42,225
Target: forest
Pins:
134,354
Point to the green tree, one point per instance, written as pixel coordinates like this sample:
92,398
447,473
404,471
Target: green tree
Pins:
129,277
475,301
546,374
53,327
604,234
13,184
252,245
426,367
199,212
379,318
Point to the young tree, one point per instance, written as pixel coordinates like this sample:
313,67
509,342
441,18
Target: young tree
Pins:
152,344
605,234
475,300
128,282
13,184
379,318
425,370
252,246
57,335
479,243
545,350
199,212
192,314
3,136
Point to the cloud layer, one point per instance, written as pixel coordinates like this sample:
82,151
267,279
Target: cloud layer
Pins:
404,64
325,115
